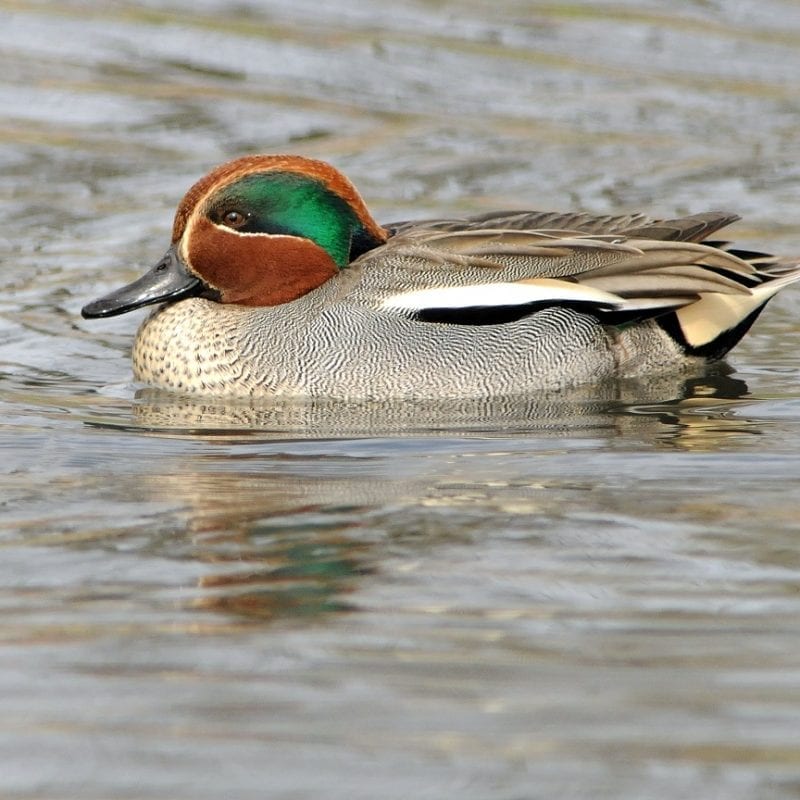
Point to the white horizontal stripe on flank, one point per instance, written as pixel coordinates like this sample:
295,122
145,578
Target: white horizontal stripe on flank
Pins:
483,295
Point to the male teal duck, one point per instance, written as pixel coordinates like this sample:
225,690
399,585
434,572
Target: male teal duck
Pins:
278,281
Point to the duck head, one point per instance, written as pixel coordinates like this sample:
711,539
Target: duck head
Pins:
257,231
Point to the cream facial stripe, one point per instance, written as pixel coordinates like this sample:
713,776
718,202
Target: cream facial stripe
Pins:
226,229
193,217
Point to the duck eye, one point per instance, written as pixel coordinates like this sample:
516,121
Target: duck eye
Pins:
234,219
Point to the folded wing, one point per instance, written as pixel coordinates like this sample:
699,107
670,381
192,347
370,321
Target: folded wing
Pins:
494,269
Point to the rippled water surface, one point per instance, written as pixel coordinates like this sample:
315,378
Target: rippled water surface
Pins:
594,595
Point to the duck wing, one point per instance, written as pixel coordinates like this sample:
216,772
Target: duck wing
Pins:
693,228
475,274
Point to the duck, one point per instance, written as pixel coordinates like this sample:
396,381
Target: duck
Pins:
278,282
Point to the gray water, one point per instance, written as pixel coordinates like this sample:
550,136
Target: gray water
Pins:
594,595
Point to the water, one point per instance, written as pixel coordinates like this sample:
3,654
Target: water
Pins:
588,596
